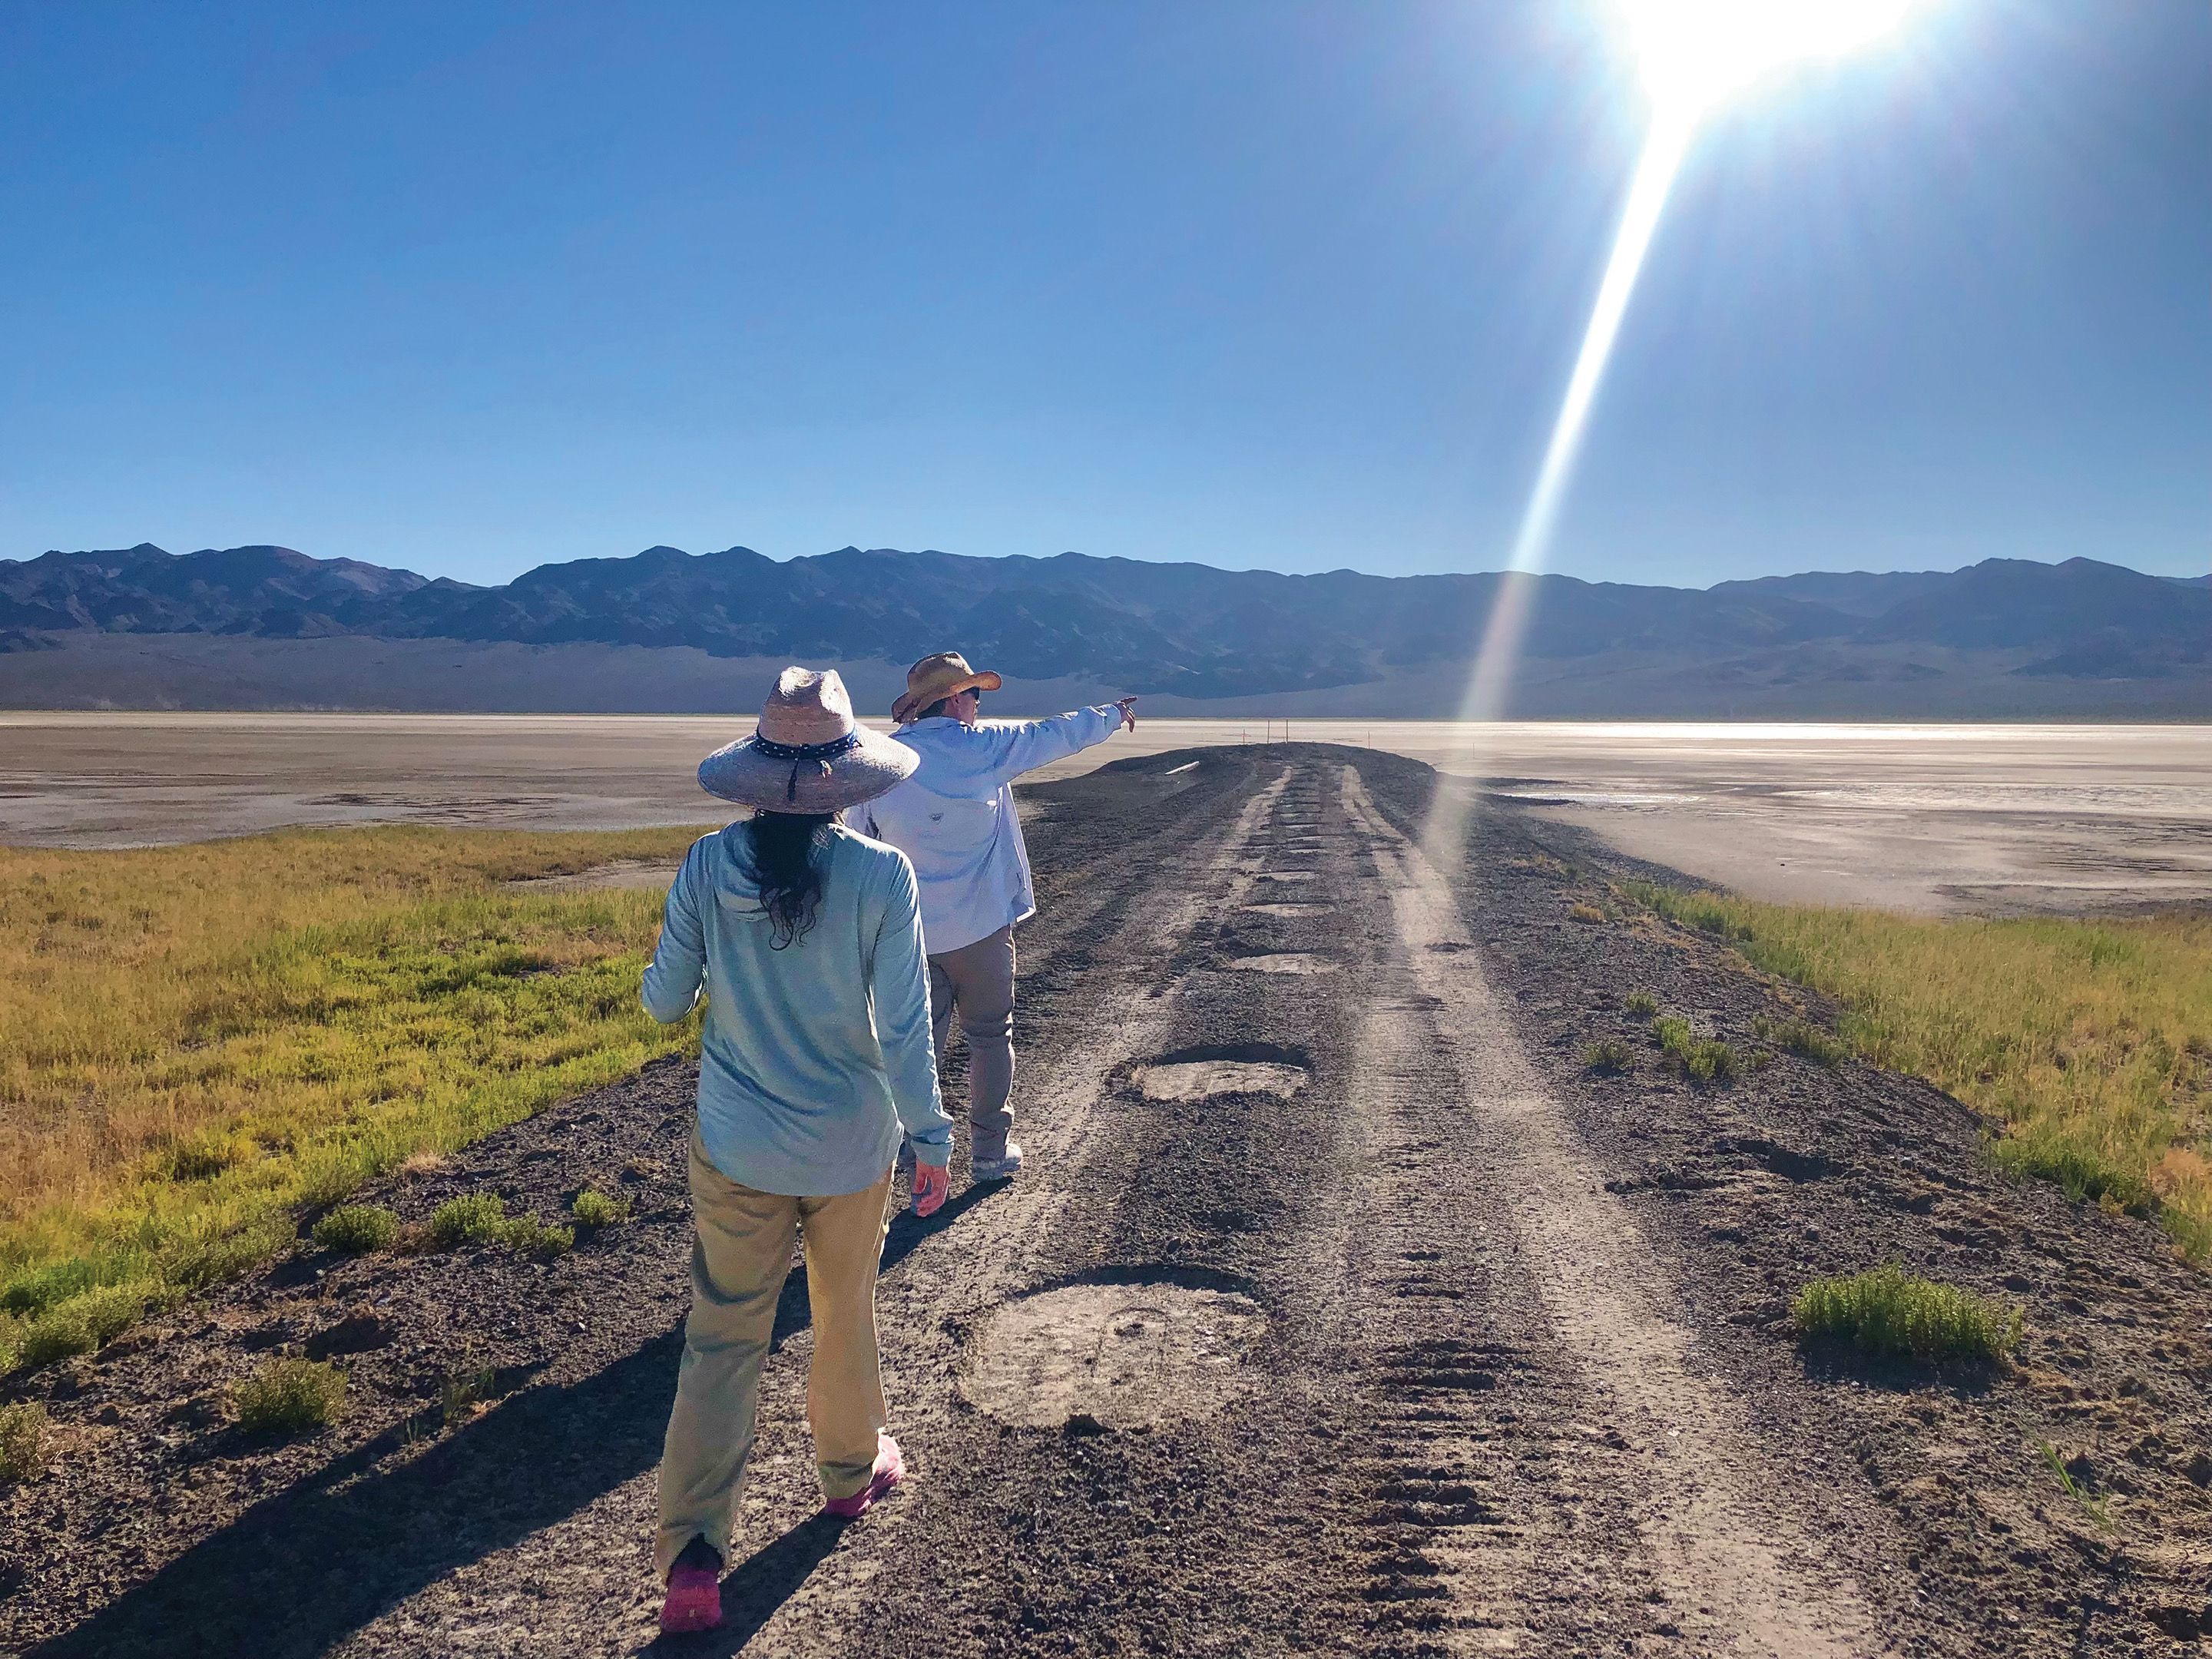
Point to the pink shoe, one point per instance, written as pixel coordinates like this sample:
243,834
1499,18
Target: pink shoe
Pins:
889,1470
695,1600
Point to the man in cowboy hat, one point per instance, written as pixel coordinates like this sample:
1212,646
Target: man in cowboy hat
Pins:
955,820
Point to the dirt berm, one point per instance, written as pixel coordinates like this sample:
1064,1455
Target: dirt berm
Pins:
1337,1311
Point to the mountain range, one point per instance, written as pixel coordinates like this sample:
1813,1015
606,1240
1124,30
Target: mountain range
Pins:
2003,636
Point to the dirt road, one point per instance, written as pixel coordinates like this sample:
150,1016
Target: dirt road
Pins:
1339,1312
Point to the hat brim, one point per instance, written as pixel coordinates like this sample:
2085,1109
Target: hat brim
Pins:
911,703
741,773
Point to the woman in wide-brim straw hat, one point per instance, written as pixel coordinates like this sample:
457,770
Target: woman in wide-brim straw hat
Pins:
816,1054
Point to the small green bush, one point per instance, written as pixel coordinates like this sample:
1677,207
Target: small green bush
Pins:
1711,1062
2084,1176
595,1209
1799,1037
1673,1033
357,1228
288,1397
82,1323
472,1218
1641,1003
1890,1311
527,1233
22,1443
1609,1055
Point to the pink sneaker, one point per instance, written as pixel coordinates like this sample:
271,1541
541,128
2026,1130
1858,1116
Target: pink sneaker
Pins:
695,1600
889,1470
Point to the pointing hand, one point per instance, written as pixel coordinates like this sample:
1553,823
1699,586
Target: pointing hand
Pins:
1129,708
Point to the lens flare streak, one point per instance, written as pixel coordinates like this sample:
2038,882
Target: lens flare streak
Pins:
1639,222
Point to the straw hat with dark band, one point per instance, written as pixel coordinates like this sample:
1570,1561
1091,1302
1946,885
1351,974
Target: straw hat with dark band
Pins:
946,674
809,754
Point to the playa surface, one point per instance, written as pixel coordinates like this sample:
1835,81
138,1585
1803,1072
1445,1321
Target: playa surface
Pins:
1338,1311
1940,818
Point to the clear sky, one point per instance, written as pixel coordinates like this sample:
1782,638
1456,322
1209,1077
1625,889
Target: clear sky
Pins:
471,288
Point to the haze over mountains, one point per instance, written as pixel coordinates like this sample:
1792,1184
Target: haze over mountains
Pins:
663,630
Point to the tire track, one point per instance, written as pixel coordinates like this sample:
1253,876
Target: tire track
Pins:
1679,1458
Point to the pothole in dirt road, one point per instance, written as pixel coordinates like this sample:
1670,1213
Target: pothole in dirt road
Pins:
1284,962
1134,1354
1284,875
1284,909
1195,1074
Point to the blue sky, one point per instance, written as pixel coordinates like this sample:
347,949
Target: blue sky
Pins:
469,288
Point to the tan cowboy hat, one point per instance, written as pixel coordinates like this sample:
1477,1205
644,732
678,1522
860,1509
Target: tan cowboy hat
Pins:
808,754
946,674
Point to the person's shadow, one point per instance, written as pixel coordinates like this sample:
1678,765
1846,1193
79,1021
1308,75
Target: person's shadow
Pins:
301,1571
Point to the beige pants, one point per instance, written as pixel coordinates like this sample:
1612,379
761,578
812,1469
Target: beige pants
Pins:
737,1268
978,980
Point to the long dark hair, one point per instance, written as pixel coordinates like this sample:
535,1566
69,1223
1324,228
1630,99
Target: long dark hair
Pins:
784,845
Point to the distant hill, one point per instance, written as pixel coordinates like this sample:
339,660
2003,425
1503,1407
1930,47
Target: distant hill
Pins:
2005,636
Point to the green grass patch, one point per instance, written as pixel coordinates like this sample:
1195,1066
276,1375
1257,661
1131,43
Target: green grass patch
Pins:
357,1228
1608,1056
1701,1060
1799,1036
195,1041
290,1397
527,1233
596,1209
1891,1312
2089,1041
1642,1004
472,1218
22,1443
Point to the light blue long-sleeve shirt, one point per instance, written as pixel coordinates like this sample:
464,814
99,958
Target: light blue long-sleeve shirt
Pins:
955,817
815,1056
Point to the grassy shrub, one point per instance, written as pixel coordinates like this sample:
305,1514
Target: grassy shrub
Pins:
472,1218
22,1443
2091,1041
1710,1060
289,1397
464,1393
2080,1170
527,1233
1581,912
82,1323
1608,1056
1889,1311
1798,1036
1673,1033
266,1022
357,1228
596,1209
1641,1003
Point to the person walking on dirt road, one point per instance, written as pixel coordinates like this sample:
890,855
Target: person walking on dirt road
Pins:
815,1052
955,818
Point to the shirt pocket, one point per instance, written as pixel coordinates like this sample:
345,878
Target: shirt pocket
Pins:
951,831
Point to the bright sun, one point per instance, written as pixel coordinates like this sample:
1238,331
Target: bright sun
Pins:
1696,52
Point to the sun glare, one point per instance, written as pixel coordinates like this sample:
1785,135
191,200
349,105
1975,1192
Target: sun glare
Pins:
1695,52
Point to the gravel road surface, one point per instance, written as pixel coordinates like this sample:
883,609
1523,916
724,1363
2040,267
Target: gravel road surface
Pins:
1339,1311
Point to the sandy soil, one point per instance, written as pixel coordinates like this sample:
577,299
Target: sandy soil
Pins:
1449,1348
1991,818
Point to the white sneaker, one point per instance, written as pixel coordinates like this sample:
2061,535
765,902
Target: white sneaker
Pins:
997,1169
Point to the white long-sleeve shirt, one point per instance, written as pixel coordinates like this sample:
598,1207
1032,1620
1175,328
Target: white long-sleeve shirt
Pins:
955,817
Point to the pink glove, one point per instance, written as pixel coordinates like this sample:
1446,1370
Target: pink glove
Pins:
933,1182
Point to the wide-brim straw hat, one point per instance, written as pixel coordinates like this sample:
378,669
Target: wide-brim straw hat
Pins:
808,754
945,674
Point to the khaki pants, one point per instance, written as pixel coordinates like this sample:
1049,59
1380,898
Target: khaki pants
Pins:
978,979
737,1268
